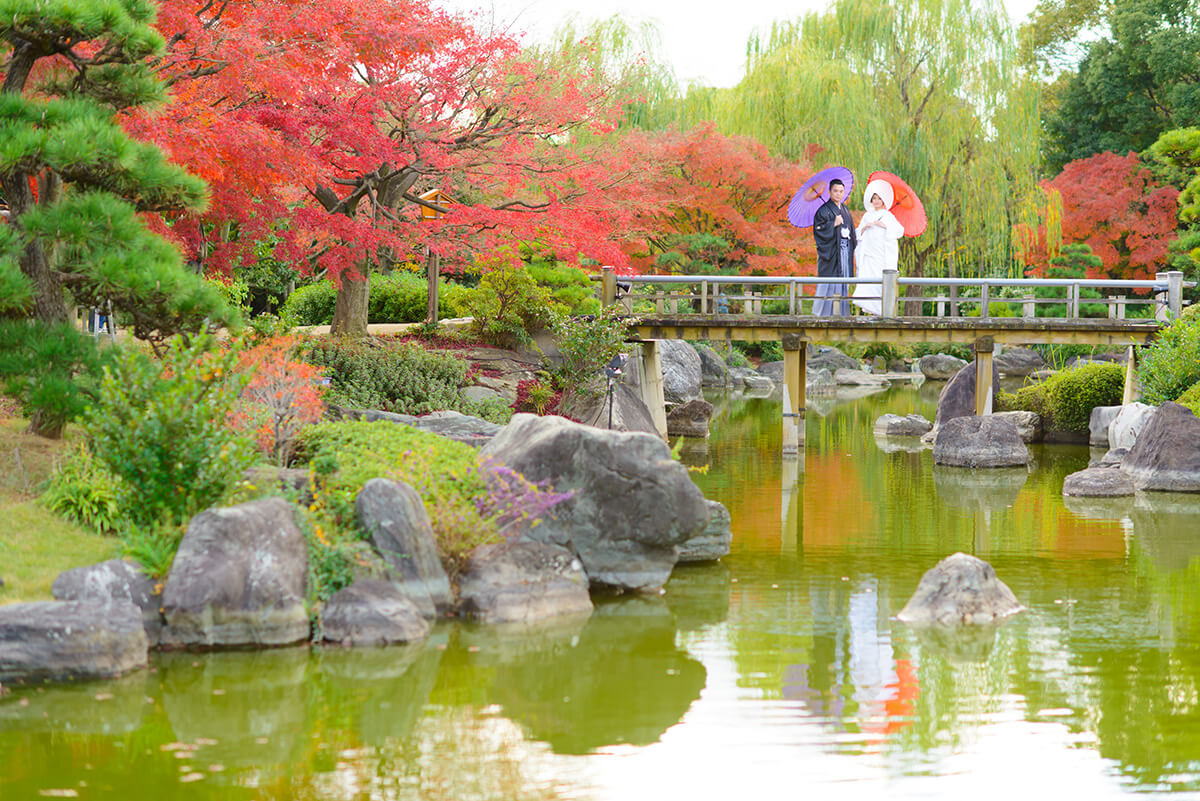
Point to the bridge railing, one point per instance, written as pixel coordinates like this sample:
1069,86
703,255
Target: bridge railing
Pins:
1161,297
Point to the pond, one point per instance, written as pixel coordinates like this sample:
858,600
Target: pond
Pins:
779,671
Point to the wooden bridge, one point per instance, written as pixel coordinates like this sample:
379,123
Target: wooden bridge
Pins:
985,313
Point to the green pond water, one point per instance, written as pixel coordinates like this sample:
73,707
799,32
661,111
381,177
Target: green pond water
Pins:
779,672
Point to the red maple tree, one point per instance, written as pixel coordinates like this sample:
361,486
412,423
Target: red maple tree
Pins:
1113,204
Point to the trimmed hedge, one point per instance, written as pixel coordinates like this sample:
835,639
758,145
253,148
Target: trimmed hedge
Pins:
398,297
1191,399
1066,399
393,376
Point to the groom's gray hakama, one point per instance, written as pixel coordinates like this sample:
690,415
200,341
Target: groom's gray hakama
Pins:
835,257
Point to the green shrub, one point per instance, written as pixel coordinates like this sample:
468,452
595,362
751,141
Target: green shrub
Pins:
1057,356
394,376
1191,399
397,297
771,351
1031,398
161,427
1171,364
82,490
53,372
508,306
586,345
569,286
1066,399
735,358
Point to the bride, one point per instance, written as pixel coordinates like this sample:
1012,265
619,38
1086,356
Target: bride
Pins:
878,248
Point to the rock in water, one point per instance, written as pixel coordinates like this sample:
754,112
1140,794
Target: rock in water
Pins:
1019,362
1029,424
979,442
960,589
1166,455
713,370
939,366
114,580
681,369
712,543
523,582
690,419
62,640
372,612
1098,482
893,425
1124,429
1098,424
958,396
831,359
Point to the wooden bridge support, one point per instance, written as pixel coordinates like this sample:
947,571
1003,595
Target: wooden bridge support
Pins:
795,351
652,386
984,350
1132,390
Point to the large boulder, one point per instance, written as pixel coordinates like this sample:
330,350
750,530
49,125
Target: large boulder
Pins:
590,405
713,370
681,369
1029,424
774,370
960,589
737,375
939,366
1098,424
632,504
758,385
114,580
372,612
394,518
1019,362
857,378
979,442
1098,482
690,419
64,640
239,578
1166,455
1130,420
522,582
893,425
713,542
958,396
831,359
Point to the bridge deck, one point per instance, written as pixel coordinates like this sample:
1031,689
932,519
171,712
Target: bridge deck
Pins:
967,330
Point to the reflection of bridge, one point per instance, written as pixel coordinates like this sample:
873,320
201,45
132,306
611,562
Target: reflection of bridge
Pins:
979,312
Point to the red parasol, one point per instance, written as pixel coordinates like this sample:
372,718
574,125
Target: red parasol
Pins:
907,206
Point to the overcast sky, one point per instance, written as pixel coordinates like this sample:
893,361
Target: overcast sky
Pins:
704,42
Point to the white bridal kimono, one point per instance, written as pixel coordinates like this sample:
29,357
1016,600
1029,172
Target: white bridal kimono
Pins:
878,249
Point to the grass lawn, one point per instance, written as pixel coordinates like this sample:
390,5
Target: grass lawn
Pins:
35,545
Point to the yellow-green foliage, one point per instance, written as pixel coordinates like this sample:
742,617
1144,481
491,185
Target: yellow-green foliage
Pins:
1066,399
1171,364
1191,399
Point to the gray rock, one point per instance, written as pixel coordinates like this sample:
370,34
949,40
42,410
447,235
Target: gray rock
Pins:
879,365
737,375
590,406
1029,424
504,386
453,425
1111,458
899,366
372,612
958,396
1019,362
893,425
65,640
939,366
633,505
774,370
819,381
713,370
758,385
239,578
481,394
523,582
394,517
979,442
960,589
1101,419
114,580
831,359
1098,482
690,419
712,543
1166,456
1130,420
681,369
857,378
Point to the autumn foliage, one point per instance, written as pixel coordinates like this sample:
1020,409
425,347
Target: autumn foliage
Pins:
1114,205
282,395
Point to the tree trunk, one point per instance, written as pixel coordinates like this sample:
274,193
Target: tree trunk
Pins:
350,310
47,426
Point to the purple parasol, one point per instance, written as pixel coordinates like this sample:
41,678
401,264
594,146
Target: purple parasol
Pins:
814,193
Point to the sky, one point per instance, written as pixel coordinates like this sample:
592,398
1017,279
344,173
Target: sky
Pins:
703,42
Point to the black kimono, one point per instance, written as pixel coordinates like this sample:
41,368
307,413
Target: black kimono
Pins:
835,256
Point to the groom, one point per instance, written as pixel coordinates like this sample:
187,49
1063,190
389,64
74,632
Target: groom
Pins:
833,229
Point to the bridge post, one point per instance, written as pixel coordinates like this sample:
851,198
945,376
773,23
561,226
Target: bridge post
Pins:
1132,391
652,386
608,286
794,363
984,348
704,297
1175,293
984,310
891,292
1029,307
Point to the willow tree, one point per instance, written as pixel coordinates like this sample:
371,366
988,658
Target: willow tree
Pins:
928,89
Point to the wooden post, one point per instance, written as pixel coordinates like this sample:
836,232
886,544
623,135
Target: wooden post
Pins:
1175,293
1029,307
1132,392
1074,311
792,298
984,347
941,305
984,311
891,293
652,386
433,264
794,359
704,297
608,286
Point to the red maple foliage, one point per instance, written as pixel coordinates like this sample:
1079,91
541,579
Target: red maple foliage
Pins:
1113,204
319,125
282,396
703,182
